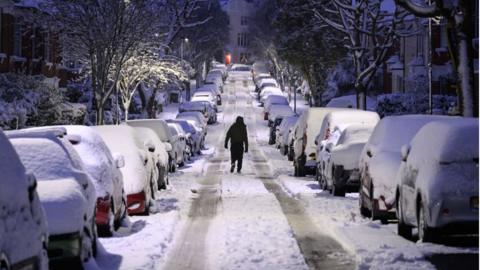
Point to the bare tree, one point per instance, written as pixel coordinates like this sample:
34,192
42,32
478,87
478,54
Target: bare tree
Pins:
460,14
146,70
369,33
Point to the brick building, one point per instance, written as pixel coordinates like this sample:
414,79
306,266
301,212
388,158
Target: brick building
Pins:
28,47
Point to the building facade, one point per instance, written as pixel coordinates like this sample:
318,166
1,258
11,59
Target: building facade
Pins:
240,13
30,48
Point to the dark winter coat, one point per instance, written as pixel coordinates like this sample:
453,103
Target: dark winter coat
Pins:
237,134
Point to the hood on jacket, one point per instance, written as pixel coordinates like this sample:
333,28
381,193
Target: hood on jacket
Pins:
239,120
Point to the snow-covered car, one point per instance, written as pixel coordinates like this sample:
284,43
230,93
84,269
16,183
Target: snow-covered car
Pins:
160,154
342,118
276,118
196,118
23,228
193,106
138,170
215,77
273,100
241,68
291,139
268,91
104,168
279,110
222,68
266,82
205,107
380,160
196,137
66,192
350,101
258,77
214,90
183,148
437,183
283,132
338,156
160,128
306,130
206,96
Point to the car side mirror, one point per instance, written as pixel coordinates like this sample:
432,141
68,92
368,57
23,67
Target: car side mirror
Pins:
119,161
369,153
150,146
328,147
32,186
405,150
168,147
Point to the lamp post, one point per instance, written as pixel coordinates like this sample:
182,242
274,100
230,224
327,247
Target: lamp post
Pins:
187,82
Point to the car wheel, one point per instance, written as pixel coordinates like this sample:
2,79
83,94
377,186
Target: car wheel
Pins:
4,265
402,229
317,175
425,234
107,230
95,237
363,210
338,191
301,169
374,212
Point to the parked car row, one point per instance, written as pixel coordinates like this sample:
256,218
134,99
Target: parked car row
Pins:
64,185
419,169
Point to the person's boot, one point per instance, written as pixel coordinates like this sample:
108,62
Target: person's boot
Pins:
232,168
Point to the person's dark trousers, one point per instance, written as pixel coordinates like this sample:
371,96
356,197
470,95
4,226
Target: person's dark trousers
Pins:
236,153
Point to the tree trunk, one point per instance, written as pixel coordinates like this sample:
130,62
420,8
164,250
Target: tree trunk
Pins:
126,106
361,97
99,115
464,29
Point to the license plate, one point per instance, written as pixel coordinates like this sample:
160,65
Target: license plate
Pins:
474,202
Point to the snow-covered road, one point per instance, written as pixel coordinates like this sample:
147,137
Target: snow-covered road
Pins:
262,218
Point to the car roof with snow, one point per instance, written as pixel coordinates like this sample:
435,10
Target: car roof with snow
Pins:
283,110
188,127
344,117
192,106
450,141
392,132
271,90
157,125
276,99
123,139
268,80
94,153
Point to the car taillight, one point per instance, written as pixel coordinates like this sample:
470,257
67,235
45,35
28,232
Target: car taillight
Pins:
136,203
103,209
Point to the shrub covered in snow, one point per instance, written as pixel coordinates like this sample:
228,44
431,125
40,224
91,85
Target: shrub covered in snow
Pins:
28,101
414,103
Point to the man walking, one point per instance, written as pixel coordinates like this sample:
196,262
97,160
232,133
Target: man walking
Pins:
237,134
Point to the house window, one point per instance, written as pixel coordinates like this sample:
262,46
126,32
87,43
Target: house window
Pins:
242,40
17,37
244,20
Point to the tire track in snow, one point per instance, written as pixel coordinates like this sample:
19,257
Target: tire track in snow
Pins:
319,250
190,251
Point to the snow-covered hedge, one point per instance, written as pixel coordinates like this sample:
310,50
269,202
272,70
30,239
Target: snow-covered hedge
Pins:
398,104
28,101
